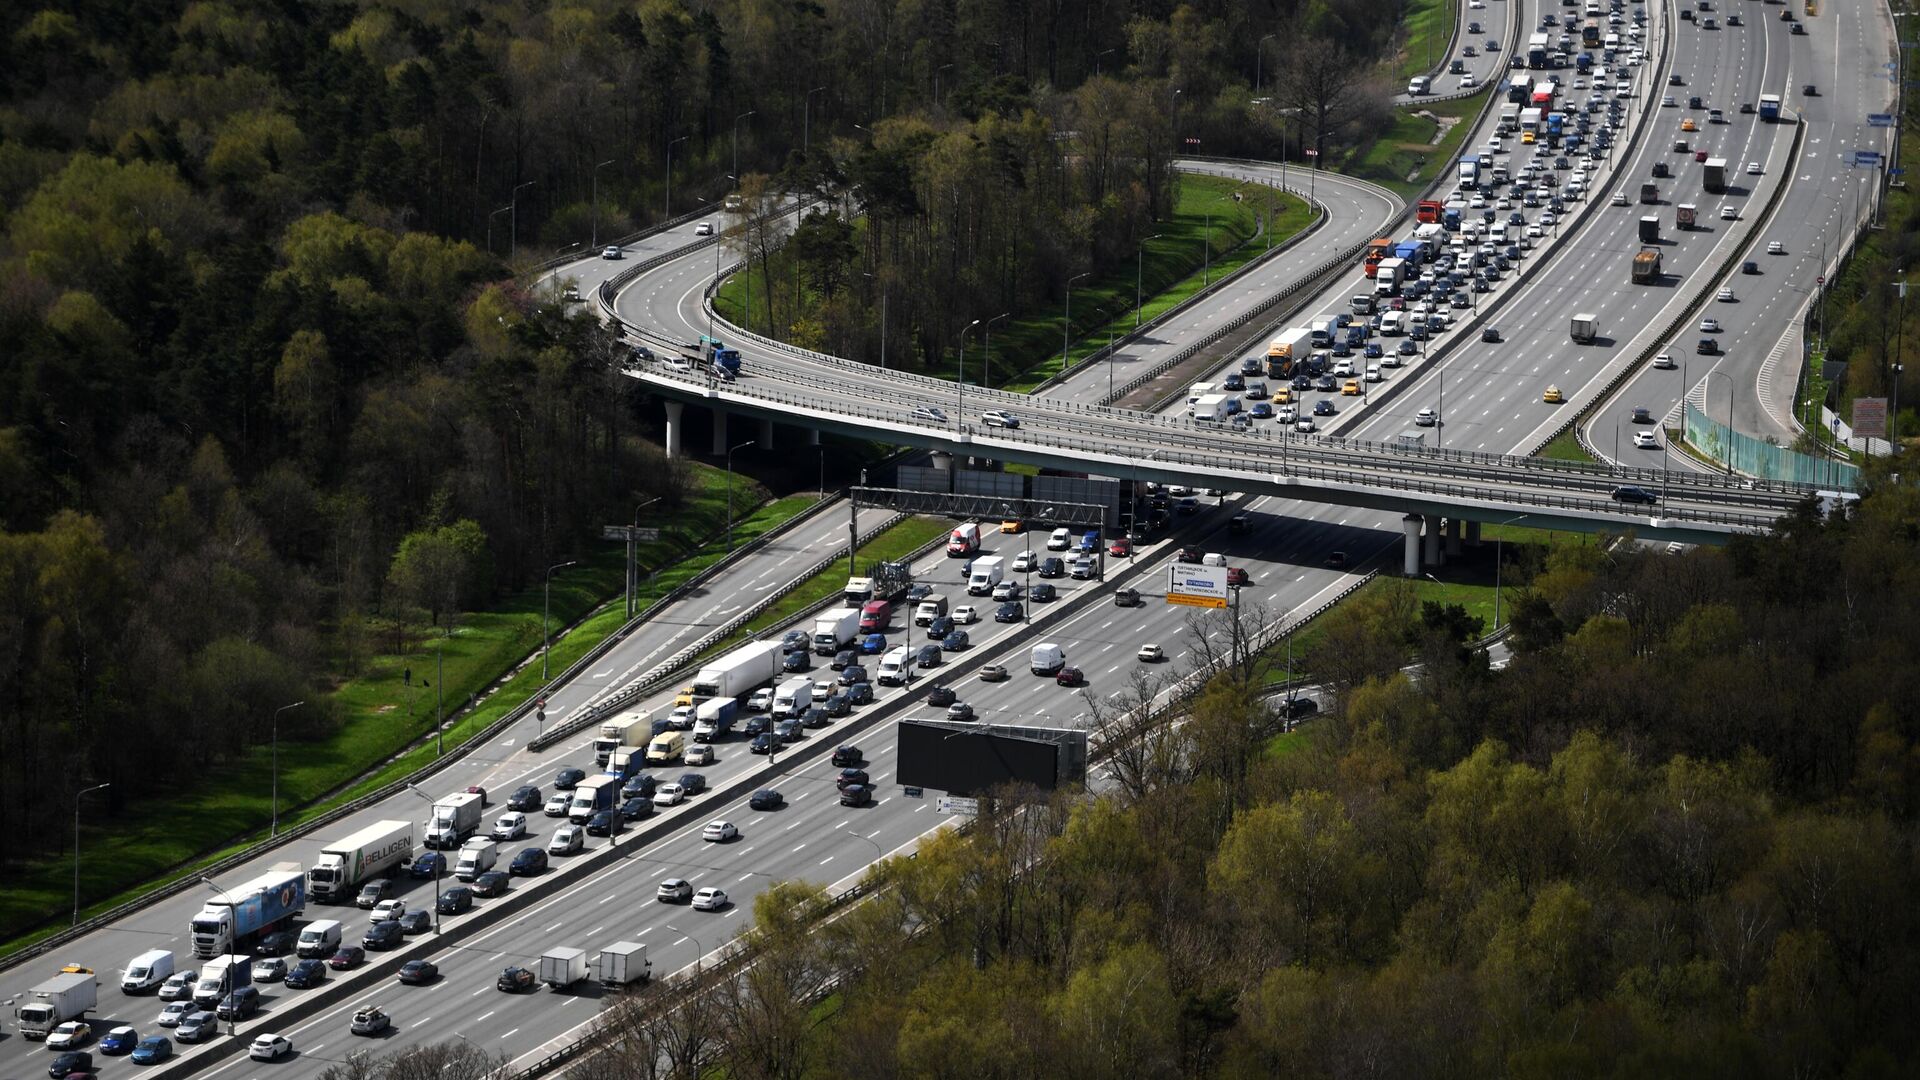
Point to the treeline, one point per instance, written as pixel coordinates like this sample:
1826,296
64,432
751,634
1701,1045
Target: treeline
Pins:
1675,837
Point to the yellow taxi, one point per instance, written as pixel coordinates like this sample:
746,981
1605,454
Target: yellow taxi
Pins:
1012,526
1552,396
1352,388
1526,138
1283,396
1689,125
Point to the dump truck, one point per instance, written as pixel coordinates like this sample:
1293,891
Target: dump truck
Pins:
1377,249
1685,215
265,904
454,818
627,729
834,630
1649,230
623,963
54,1002
1428,212
379,849
563,966
1283,351
1584,327
1646,267
739,672
1716,175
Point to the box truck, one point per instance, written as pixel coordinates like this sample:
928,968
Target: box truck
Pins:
147,971
1583,328
985,574
477,856
736,673
562,967
834,630
714,718
1286,350
793,698
239,914
590,796
1211,409
1650,229
379,849
1716,175
627,729
454,818
1684,216
624,962
54,1002
220,977
626,762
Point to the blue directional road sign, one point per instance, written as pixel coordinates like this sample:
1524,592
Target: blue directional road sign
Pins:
1866,157
1880,119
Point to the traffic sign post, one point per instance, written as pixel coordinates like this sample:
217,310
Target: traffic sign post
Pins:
1197,586
958,804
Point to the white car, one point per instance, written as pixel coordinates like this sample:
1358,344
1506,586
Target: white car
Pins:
1005,591
1534,232
705,228
388,909
1664,362
1151,654
1645,440
930,412
1427,417
669,795
1286,414
1775,247
170,1016
1547,218
1468,82
1620,199
1303,425
999,418
511,826
1753,168
557,805
1728,213
180,984
761,701
699,754
719,832
269,1047
612,251
1373,373
965,615
1709,325
1725,295
1343,369
1025,561
566,840
69,1035
709,899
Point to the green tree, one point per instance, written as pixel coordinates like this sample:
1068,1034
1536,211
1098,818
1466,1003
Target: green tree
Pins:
440,569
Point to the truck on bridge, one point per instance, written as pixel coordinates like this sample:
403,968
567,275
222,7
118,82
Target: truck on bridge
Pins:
380,848
719,358
1646,266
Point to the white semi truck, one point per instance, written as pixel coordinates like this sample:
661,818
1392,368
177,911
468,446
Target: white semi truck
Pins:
741,671
379,849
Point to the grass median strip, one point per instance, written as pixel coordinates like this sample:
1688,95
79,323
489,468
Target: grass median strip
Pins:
386,721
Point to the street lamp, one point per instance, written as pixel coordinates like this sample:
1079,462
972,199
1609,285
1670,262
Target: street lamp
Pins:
883,313
513,220
594,242
275,829
699,950
670,146
1066,321
1097,57
439,864
806,122
730,451
986,365
76,846
490,218
960,381
1260,55
1139,262
1711,372
233,939
736,139
546,596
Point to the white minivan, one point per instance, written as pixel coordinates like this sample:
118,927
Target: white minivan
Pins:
1060,540
895,668
1418,86
147,971
1047,659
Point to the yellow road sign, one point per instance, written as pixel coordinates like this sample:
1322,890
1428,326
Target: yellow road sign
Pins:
1197,601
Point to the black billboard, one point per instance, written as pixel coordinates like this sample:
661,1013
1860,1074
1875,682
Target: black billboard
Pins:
964,759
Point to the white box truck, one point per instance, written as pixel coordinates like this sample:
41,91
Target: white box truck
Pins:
477,856
834,630
1584,327
624,962
217,977
379,849
562,967
739,672
984,574
54,1002
793,698
147,971
627,729
1211,409
454,818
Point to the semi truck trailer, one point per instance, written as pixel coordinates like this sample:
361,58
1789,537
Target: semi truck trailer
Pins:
379,849
737,673
265,904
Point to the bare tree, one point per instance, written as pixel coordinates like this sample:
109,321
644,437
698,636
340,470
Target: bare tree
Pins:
1137,739
1324,85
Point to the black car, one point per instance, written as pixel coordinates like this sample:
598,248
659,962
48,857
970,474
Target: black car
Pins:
526,797
639,787
516,979
941,696
1053,566
307,974
1299,708
1127,598
857,795
1642,415
1491,333
789,731
1302,382
955,640
765,743
1627,493
940,627
919,591
1707,347
795,641
1325,384
418,921
419,972
928,656
1324,407
852,673
860,693
491,884
756,725
1007,612
384,934
815,717
766,799
843,658
601,824
373,892
566,779
797,661
280,943
528,862
429,864
636,808
837,705
693,783
239,1004
846,754
77,1061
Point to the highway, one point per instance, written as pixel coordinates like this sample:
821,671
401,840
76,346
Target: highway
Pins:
1494,21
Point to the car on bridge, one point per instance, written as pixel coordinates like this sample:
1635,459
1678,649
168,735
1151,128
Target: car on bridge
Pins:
1628,493
999,418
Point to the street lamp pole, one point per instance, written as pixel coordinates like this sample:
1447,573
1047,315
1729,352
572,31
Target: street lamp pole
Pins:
730,451
439,864
1139,263
513,219
490,218
594,241
1066,321
275,829
670,145
736,139
960,381
1259,56
699,950
77,796
806,123
986,365
546,597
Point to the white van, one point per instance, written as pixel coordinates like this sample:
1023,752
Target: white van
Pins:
1047,659
964,540
319,939
1418,86
895,668
1497,234
1390,324
147,971
793,698
666,748
930,609
1213,558
1060,540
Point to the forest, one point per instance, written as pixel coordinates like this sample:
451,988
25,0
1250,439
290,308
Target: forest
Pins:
1674,836
275,394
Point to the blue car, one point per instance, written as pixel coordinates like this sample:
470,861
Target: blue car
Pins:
873,644
120,1040
1261,411
429,864
152,1049
307,974
1374,350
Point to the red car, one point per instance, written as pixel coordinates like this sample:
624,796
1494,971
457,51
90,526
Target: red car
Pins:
348,956
1236,576
1070,676
1120,548
476,789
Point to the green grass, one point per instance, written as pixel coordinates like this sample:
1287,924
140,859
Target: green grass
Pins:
1406,149
386,725
1565,447
1429,27
1287,743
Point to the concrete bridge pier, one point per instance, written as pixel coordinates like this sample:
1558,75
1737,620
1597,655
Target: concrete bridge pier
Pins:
766,433
1473,534
1410,526
1456,532
1434,557
719,432
675,423
813,436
